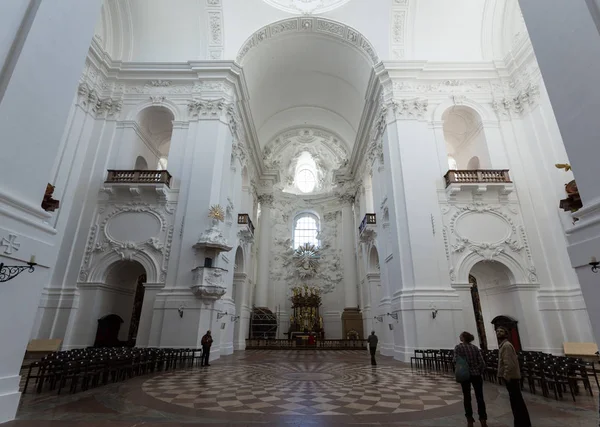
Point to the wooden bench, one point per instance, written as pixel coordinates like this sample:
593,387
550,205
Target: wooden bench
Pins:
583,350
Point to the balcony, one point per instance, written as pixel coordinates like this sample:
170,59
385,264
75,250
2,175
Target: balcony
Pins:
478,181
367,223
246,223
138,177
139,185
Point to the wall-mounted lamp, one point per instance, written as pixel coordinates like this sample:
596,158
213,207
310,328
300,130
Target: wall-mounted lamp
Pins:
434,313
180,311
393,316
378,318
8,272
220,315
594,263
234,318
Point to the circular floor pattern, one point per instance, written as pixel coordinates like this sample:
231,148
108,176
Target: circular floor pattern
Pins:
304,388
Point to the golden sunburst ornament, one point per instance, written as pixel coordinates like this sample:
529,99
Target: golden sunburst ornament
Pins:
216,212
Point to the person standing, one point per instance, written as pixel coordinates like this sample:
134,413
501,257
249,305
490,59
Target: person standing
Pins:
206,343
508,368
373,340
466,352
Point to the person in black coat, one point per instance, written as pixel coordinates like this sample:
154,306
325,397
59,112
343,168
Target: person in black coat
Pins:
373,340
206,343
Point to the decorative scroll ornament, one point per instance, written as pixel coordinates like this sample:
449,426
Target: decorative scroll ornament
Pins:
307,259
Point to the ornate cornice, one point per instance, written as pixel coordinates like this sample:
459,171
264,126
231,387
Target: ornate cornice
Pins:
306,24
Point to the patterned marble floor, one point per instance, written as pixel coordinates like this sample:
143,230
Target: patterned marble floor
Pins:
292,388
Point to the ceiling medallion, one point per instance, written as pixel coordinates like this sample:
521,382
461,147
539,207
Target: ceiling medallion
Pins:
306,7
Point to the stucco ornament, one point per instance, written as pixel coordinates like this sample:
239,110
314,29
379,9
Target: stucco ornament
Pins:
306,6
307,258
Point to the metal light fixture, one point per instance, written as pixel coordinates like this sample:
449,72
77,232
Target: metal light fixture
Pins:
434,313
393,315
220,315
234,318
378,318
594,263
180,311
8,272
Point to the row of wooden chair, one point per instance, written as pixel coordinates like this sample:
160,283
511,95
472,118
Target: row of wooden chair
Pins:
98,366
543,371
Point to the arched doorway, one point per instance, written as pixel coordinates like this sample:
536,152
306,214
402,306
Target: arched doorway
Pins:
478,313
492,298
121,298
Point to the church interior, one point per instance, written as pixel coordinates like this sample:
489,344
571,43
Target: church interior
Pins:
294,176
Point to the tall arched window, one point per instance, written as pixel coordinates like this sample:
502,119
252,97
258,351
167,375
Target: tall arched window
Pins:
306,229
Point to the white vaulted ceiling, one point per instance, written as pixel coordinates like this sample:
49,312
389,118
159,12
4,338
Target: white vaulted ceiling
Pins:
306,6
306,79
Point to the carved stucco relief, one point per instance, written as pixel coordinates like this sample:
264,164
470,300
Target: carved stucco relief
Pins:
103,239
490,231
283,267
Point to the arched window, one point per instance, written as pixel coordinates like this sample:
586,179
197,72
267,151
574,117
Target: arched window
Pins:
306,229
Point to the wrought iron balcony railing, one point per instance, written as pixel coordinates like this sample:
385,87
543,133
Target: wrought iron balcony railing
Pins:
138,177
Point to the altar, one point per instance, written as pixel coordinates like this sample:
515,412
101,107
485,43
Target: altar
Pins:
306,322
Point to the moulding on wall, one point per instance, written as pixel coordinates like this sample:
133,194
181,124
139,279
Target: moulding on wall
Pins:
337,30
216,37
101,244
506,240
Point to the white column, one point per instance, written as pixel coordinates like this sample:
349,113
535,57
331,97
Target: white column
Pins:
349,251
566,41
264,253
64,28
38,81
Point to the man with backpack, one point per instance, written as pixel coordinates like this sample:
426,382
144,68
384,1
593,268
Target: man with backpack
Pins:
470,366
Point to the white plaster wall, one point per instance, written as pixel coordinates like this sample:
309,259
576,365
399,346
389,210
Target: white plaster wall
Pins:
167,31
448,31
11,19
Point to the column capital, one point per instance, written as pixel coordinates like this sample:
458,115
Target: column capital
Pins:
346,199
266,200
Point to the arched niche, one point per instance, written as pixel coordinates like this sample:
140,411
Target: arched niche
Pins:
148,135
141,163
465,138
240,265
374,266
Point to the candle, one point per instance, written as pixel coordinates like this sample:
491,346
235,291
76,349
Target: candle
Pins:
593,260
32,260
